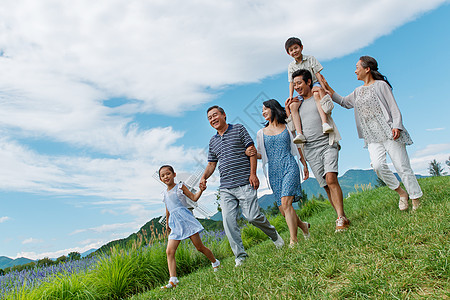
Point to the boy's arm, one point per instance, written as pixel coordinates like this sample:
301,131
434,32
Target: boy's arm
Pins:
323,84
291,89
190,195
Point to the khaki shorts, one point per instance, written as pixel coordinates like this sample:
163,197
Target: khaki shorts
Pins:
322,158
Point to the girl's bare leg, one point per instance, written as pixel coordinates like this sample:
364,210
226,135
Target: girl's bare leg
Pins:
197,241
172,246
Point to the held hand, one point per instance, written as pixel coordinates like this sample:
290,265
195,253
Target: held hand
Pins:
286,106
254,181
250,151
396,133
202,184
306,173
295,99
287,102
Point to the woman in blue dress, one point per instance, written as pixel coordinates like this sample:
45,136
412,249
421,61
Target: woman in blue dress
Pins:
181,222
277,150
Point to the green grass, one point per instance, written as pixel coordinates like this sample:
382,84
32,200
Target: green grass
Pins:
386,254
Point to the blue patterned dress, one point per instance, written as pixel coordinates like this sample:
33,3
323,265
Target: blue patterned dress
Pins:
182,222
284,173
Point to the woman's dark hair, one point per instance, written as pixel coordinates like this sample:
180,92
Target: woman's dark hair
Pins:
278,111
370,62
166,166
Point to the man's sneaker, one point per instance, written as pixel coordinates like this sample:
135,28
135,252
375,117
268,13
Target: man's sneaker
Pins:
279,242
170,285
326,128
216,265
239,261
342,224
415,203
299,139
307,235
403,203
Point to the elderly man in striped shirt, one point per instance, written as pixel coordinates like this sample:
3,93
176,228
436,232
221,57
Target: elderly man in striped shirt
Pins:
238,180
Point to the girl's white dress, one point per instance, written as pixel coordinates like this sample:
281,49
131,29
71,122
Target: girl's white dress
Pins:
182,222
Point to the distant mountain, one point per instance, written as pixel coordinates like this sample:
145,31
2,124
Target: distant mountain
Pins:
86,253
6,262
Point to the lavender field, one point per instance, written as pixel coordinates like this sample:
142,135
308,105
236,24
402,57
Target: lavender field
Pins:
29,279
119,274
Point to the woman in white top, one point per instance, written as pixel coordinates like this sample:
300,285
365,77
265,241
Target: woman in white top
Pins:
379,123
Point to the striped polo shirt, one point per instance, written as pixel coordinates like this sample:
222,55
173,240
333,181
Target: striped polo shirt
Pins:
229,151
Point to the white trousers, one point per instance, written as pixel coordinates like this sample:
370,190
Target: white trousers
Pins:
399,157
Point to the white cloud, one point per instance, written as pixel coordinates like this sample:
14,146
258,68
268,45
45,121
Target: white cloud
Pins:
432,149
435,129
4,219
109,228
66,59
55,254
70,56
109,211
92,242
121,178
421,159
32,241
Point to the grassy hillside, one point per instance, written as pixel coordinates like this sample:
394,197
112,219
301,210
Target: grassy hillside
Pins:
386,254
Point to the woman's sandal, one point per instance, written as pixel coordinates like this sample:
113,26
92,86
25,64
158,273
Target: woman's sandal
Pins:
403,203
415,203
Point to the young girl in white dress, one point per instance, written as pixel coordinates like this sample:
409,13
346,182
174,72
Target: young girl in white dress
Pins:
180,222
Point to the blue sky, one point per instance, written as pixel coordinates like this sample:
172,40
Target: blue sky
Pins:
95,97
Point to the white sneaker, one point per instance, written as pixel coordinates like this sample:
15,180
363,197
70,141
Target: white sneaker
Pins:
307,235
403,203
279,242
216,265
170,285
239,262
326,128
299,139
